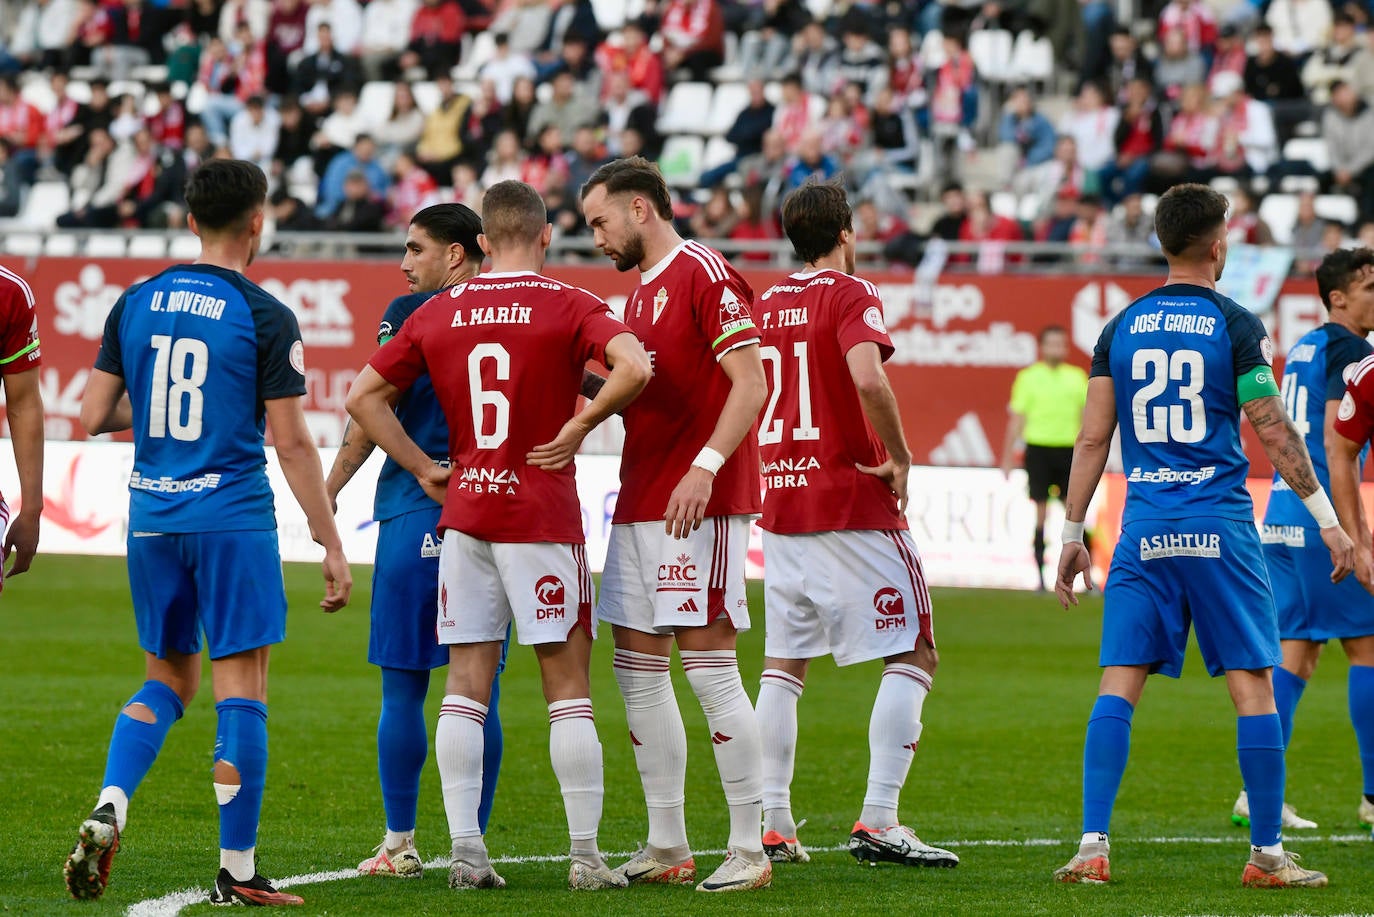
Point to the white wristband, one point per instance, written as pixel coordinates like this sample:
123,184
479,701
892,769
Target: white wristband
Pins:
1319,505
708,459
1073,533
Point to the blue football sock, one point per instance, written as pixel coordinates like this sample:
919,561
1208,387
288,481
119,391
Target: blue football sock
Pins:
402,744
1105,751
1259,745
492,742
1361,688
241,740
135,744
1288,690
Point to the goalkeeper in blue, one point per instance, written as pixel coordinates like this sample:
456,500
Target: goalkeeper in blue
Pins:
198,361
1176,369
1312,609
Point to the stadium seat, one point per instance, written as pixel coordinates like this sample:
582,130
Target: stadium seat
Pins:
128,88
991,52
933,49
1311,150
1004,204
39,94
79,91
105,245
376,99
686,110
819,9
148,245
728,101
427,95
60,245
25,244
195,98
610,14
772,91
46,200
183,247
483,50
1339,208
1293,184
1280,212
681,160
1032,59
1029,207
150,75
719,151
1148,202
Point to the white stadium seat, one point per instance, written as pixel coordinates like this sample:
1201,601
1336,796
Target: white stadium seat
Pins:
991,53
1280,212
686,109
25,244
39,94
1032,59
375,101
183,247
60,245
1004,204
719,151
933,49
427,95
1339,208
728,101
1310,150
148,245
46,201
103,245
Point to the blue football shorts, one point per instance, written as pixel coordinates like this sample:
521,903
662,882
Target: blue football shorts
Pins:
1310,606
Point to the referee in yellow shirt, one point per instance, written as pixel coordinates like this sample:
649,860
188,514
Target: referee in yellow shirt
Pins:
1046,411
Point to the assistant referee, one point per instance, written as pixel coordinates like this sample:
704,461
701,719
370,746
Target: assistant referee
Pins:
1046,411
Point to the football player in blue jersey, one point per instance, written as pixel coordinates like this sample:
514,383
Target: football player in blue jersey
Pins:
197,360
440,252
1176,368
1312,609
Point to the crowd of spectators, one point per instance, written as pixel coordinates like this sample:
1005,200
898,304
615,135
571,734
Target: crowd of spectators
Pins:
867,93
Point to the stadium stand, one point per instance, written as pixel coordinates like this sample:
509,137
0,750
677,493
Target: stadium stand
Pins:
896,100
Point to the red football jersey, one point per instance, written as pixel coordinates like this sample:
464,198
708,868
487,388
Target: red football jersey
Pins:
18,325
506,354
690,309
814,430
1355,416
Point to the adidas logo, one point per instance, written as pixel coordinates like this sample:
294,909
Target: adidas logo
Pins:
912,746
720,738
689,607
966,444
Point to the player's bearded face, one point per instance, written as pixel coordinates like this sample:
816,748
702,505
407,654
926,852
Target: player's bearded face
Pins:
631,251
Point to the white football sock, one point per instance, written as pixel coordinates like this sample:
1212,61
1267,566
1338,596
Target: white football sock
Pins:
894,729
575,752
240,863
458,747
776,712
120,800
660,744
397,840
714,676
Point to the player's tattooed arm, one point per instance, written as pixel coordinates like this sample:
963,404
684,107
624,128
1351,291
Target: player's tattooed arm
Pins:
1282,443
353,453
591,384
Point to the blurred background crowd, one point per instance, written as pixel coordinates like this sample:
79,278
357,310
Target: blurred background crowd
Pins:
965,121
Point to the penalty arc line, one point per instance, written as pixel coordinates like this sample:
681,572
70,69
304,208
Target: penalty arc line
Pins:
171,905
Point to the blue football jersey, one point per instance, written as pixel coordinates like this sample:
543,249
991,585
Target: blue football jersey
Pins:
1313,374
200,349
419,412
1174,357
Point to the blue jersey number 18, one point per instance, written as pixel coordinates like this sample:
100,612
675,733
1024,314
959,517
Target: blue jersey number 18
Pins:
177,404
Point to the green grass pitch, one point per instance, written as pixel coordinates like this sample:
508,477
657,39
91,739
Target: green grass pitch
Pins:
999,762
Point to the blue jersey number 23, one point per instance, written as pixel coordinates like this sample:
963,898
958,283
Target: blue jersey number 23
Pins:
1185,420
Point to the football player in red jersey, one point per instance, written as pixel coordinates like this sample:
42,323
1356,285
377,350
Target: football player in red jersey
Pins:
498,349
843,575
19,362
679,537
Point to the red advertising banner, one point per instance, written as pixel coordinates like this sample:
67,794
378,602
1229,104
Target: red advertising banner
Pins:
959,343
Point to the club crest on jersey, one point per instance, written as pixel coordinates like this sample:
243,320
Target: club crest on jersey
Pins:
549,593
1267,350
660,302
678,575
873,318
430,546
891,609
1347,408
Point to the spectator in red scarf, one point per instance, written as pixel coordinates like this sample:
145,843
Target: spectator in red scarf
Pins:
633,58
168,126
905,72
693,36
1194,19
1189,147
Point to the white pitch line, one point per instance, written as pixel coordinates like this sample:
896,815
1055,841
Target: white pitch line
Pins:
171,905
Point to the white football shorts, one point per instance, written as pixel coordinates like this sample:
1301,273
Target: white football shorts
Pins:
854,595
546,588
655,583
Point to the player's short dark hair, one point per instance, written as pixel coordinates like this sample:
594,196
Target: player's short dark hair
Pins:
1339,269
223,193
813,217
450,223
633,175
1186,214
1051,329
513,213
